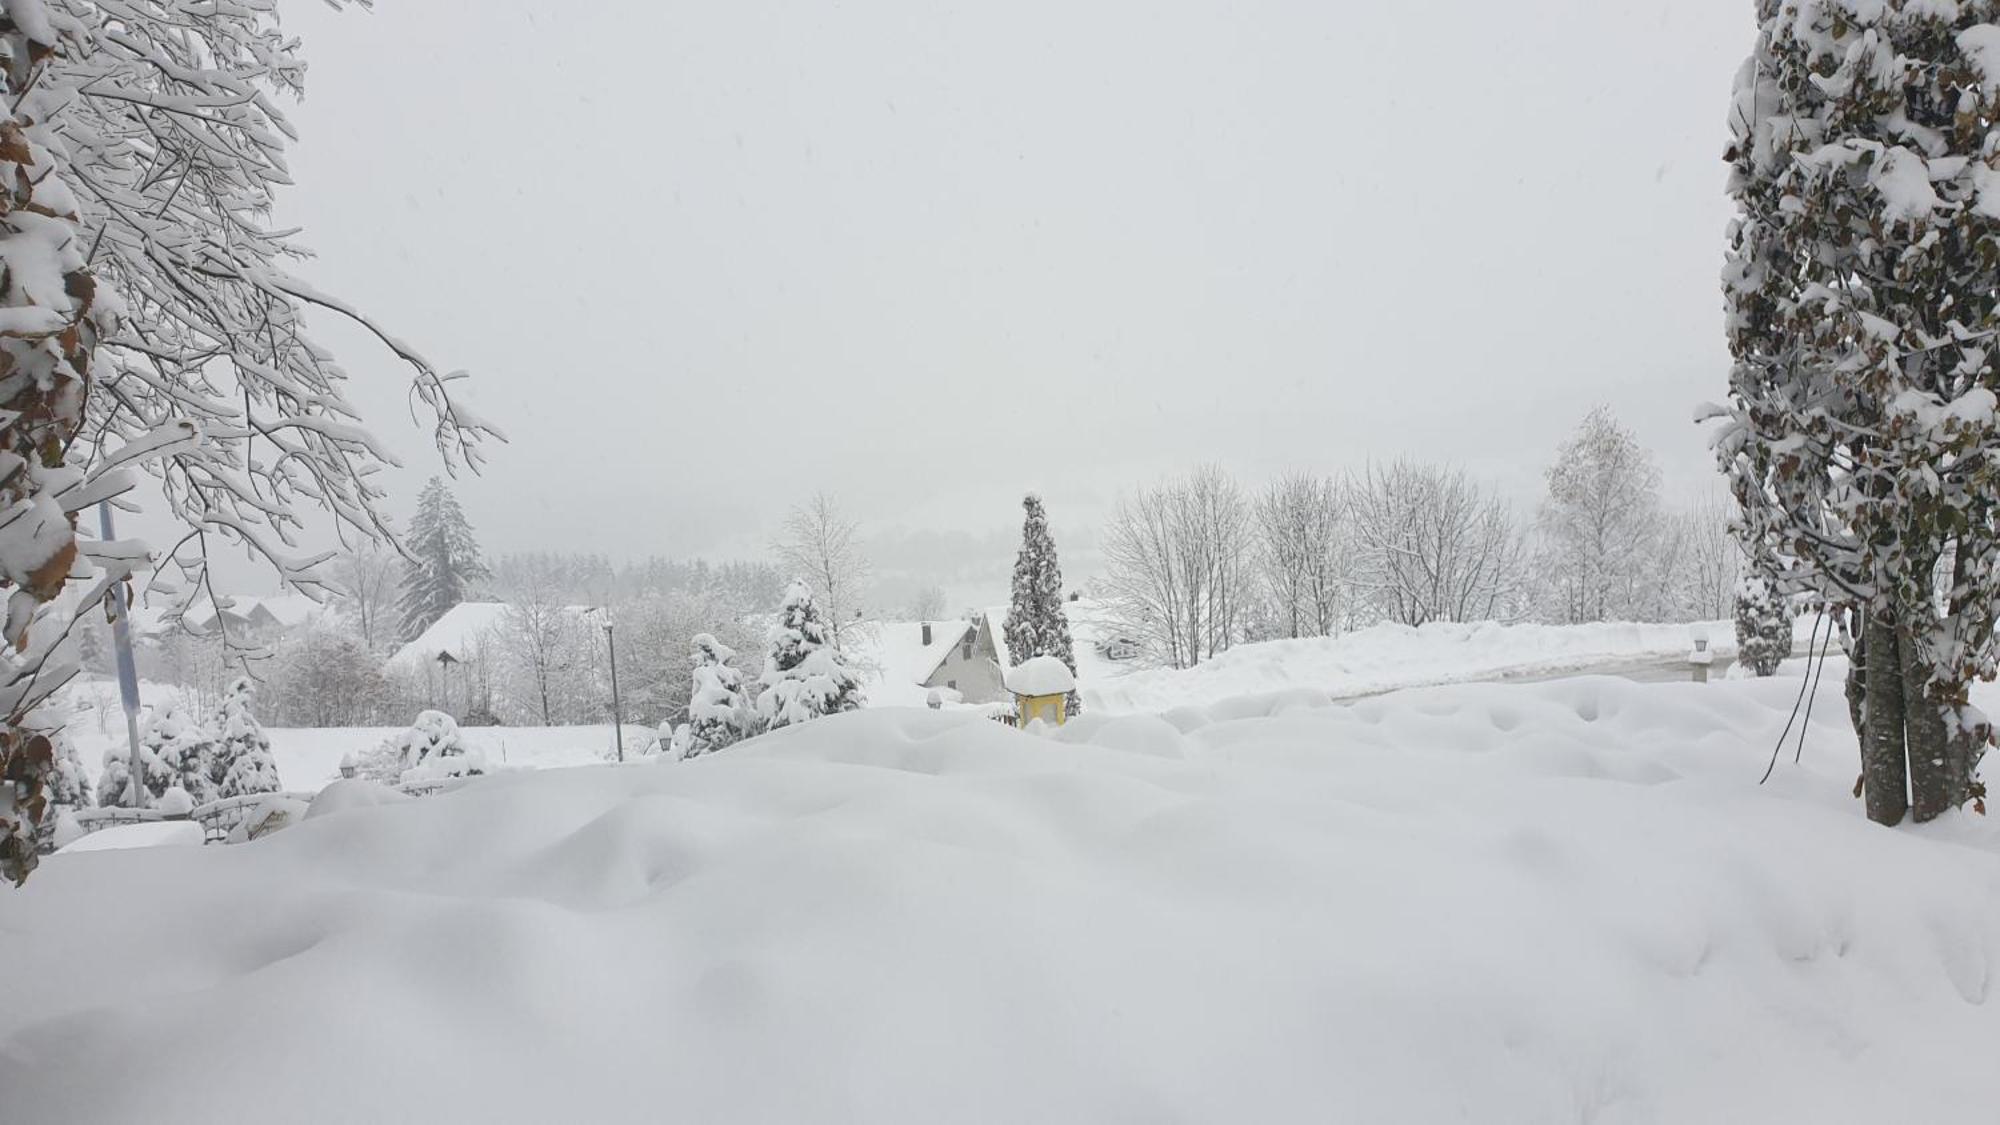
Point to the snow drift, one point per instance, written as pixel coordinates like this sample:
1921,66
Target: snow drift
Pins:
1527,903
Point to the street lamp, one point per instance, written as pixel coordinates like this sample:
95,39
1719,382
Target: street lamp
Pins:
617,712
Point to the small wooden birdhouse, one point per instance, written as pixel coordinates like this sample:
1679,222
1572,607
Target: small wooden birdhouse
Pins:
1041,688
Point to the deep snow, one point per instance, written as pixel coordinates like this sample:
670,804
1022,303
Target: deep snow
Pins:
1498,903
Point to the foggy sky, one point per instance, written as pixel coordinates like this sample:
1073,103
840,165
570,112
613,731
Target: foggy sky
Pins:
704,259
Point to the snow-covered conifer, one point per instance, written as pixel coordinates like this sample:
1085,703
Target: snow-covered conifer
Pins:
1037,623
1863,296
242,763
69,786
445,564
179,753
804,676
719,715
1763,625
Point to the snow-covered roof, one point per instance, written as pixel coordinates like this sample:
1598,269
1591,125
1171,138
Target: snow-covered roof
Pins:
461,628
901,653
1041,675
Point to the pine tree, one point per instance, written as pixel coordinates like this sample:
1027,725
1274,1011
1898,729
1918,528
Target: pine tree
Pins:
446,565
1763,625
804,676
718,713
1037,624
243,763
1863,295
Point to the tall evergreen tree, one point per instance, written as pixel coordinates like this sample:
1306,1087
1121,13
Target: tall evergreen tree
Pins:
804,676
1037,622
242,763
718,713
446,564
1862,288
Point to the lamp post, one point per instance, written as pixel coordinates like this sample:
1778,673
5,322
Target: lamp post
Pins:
617,712
128,676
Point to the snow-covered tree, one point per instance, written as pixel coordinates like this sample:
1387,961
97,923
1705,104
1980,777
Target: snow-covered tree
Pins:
1037,621
242,762
822,547
1600,525
719,713
179,753
928,604
1763,625
114,780
142,144
1863,297
804,676
54,321
69,786
445,564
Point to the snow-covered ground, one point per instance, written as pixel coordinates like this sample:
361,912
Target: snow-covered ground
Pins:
309,758
1387,657
1548,902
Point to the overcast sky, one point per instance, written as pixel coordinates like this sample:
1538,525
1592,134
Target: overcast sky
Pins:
705,258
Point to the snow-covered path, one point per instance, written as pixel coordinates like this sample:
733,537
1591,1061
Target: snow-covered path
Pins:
1500,903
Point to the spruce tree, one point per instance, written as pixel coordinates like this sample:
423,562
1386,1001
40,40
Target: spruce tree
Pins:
1861,289
1037,622
718,714
804,676
242,763
1763,625
445,565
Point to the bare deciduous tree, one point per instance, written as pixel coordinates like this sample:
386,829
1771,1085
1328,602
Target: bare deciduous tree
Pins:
821,546
1432,545
1177,556
367,585
1300,558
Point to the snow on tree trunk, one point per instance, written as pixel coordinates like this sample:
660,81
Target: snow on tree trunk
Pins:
804,675
1037,623
1863,296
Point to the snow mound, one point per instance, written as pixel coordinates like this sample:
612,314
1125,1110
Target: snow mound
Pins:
1041,675
1503,903
149,834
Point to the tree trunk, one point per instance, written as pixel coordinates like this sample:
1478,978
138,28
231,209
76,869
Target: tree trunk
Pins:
1883,768
1857,678
1923,719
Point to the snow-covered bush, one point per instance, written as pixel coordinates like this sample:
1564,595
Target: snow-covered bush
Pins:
432,748
804,676
69,785
1763,626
